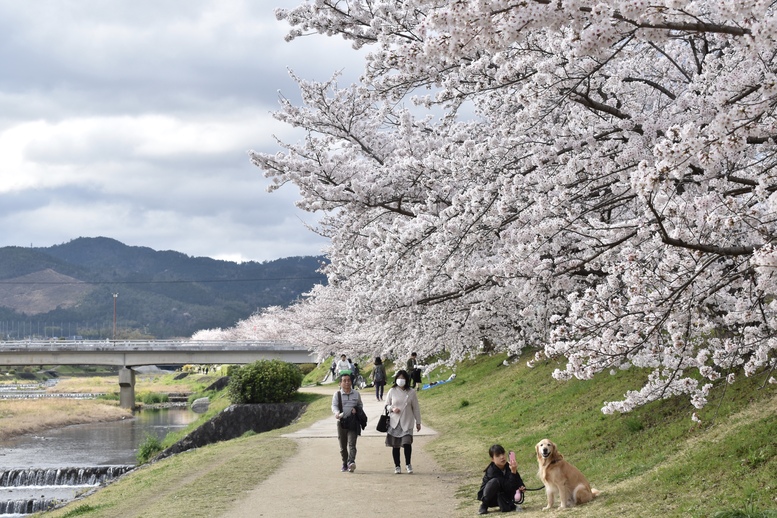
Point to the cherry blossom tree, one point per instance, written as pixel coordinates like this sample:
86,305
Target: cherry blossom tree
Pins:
593,179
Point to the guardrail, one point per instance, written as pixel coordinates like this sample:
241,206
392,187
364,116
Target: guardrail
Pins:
161,345
133,353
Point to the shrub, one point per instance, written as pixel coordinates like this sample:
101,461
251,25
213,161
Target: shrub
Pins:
307,368
152,398
264,381
229,370
149,448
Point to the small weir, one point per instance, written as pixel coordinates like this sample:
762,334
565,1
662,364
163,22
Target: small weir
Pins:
31,490
49,395
22,507
43,470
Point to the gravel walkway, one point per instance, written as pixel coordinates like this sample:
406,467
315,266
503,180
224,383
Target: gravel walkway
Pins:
310,483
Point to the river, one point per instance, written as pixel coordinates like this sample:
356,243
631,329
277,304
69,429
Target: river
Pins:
60,463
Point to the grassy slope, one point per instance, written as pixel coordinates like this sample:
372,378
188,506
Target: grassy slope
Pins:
652,462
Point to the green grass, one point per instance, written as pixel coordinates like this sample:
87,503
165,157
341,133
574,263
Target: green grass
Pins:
150,447
202,482
654,461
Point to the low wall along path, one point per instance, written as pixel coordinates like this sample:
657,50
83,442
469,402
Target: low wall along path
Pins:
310,484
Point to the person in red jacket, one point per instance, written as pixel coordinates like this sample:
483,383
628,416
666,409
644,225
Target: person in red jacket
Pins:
501,480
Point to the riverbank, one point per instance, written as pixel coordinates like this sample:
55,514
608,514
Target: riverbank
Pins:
284,472
19,417
23,416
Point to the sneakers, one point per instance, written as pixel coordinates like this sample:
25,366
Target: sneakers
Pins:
409,468
344,468
351,467
483,509
397,470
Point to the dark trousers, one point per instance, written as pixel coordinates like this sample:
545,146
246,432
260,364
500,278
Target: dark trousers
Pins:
408,454
415,378
347,440
495,495
379,389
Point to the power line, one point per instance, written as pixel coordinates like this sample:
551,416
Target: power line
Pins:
180,281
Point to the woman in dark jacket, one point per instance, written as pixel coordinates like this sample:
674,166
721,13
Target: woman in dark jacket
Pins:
500,482
379,378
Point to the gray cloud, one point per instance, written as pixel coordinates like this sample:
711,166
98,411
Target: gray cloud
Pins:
133,120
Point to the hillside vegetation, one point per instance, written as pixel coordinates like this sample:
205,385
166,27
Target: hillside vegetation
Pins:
653,462
67,290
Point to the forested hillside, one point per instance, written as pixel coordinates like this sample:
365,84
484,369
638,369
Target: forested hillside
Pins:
68,290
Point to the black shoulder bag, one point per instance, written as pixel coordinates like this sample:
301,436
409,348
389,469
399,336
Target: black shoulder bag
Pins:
383,421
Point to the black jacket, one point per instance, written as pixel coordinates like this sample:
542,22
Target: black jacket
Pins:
510,481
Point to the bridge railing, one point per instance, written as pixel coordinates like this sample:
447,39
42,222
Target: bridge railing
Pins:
147,345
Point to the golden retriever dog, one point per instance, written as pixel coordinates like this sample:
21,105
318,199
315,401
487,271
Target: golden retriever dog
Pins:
561,478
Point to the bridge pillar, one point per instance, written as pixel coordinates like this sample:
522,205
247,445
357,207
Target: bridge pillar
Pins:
127,388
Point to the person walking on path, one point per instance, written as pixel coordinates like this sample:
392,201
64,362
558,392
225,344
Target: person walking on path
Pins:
405,414
379,378
295,486
333,368
347,406
344,367
413,370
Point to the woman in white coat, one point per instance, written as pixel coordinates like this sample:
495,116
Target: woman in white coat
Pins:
404,415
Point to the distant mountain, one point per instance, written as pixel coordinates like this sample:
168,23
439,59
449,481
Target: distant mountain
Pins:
68,289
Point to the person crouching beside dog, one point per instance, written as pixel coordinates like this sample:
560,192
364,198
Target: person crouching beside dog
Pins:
501,480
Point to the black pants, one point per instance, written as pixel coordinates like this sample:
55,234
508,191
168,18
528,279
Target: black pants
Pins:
415,378
408,453
496,495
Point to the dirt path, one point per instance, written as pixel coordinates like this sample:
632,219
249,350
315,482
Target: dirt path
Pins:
310,483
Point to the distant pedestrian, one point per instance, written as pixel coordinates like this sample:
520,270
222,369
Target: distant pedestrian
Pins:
405,414
344,366
347,407
413,370
379,378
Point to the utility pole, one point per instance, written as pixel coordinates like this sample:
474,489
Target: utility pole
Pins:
115,296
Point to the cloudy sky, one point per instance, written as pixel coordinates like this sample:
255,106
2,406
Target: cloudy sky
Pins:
132,120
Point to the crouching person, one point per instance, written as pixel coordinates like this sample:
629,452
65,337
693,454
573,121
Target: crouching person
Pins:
500,482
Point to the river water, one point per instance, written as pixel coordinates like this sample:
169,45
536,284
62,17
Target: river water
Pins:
58,464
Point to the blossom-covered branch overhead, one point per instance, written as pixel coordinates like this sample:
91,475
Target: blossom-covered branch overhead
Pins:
593,179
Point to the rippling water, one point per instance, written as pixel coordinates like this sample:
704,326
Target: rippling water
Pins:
86,445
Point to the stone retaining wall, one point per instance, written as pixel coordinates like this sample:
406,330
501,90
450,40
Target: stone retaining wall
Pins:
236,420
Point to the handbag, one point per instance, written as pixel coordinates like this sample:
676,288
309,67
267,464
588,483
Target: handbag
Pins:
383,421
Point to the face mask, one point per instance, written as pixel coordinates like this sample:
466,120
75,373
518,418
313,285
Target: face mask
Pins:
401,382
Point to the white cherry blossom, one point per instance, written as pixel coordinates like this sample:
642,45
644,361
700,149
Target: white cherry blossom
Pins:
596,181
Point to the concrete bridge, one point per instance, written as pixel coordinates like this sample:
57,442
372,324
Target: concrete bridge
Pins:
135,353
